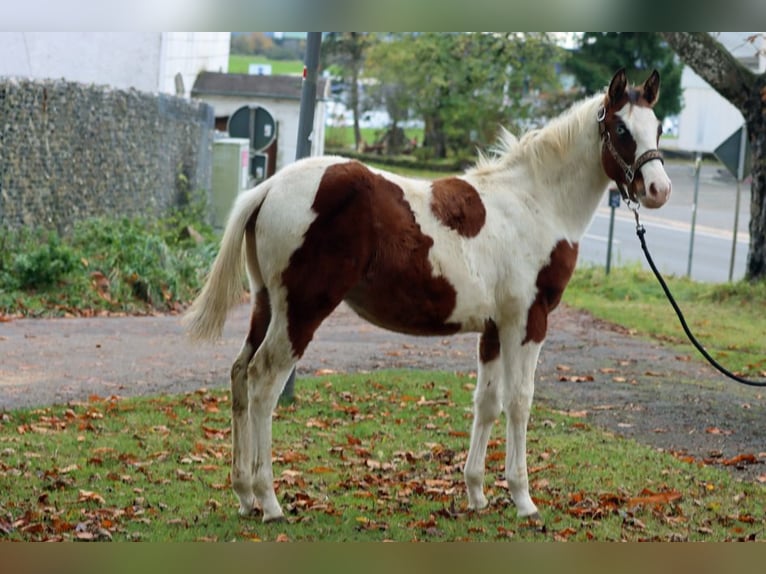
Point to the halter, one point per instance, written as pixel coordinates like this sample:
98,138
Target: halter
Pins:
630,171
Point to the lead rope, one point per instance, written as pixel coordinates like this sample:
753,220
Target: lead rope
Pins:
641,231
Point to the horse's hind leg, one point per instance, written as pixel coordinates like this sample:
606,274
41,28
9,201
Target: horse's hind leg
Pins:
487,404
284,343
266,377
242,443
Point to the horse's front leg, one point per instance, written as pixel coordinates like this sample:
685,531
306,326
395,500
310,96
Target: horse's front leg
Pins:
520,363
486,408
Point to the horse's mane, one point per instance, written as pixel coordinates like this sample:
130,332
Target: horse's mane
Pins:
540,147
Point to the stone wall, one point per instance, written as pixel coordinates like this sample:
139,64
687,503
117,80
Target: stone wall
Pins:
70,151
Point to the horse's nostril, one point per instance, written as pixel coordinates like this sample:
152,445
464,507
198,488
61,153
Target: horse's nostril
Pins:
654,191
659,191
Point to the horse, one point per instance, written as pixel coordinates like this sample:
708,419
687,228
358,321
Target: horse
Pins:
490,251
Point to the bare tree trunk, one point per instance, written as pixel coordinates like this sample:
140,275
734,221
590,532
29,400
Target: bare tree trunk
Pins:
756,256
435,137
355,111
747,91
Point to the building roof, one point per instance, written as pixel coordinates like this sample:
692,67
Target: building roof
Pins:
251,85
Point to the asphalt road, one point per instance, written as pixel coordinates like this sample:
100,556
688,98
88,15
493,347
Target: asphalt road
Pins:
668,230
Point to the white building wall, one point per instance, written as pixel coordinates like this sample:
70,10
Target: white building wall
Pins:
190,53
286,114
147,61
122,60
707,118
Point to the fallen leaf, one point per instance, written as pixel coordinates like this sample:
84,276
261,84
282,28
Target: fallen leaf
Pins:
183,475
324,372
576,379
90,496
740,459
649,497
716,430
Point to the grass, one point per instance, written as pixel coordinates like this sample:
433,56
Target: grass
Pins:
343,136
410,172
365,457
105,265
727,318
239,64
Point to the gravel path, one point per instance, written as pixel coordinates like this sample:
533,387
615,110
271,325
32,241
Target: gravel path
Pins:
617,381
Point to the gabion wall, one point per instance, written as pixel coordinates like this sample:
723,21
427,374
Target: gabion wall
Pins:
70,151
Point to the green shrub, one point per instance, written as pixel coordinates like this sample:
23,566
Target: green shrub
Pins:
43,265
106,264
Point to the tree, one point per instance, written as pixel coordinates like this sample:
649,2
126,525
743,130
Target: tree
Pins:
464,85
251,43
347,50
602,53
387,63
746,90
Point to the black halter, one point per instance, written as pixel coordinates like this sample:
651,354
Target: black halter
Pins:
630,171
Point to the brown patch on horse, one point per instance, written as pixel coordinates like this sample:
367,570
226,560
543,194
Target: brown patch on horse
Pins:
489,344
366,247
457,204
551,282
259,319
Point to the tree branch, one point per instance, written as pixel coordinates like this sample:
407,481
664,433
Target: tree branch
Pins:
714,64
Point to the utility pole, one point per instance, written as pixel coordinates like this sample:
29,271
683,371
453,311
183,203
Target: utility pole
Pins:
697,168
303,147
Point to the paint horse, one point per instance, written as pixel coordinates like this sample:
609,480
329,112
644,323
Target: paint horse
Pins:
489,251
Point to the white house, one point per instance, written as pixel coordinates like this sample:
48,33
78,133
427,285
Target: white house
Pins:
707,118
166,62
280,95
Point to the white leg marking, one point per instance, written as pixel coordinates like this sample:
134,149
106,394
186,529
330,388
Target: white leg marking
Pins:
486,408
266,377
520,363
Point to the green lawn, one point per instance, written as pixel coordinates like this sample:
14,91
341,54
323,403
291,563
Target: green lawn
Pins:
366,457
343,136
727,318
238,64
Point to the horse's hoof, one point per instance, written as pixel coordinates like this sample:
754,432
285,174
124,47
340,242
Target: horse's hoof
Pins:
533,523
480,504
254,512
274,519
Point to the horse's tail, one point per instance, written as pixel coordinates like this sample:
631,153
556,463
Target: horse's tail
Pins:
223,287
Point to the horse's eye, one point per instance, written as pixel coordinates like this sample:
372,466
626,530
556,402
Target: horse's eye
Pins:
620,130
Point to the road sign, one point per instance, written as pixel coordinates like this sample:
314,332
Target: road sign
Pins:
731,153
254,123
614,197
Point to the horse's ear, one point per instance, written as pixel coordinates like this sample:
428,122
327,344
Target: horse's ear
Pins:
651,90
617,86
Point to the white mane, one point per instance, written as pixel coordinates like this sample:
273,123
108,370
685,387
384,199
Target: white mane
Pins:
541,147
